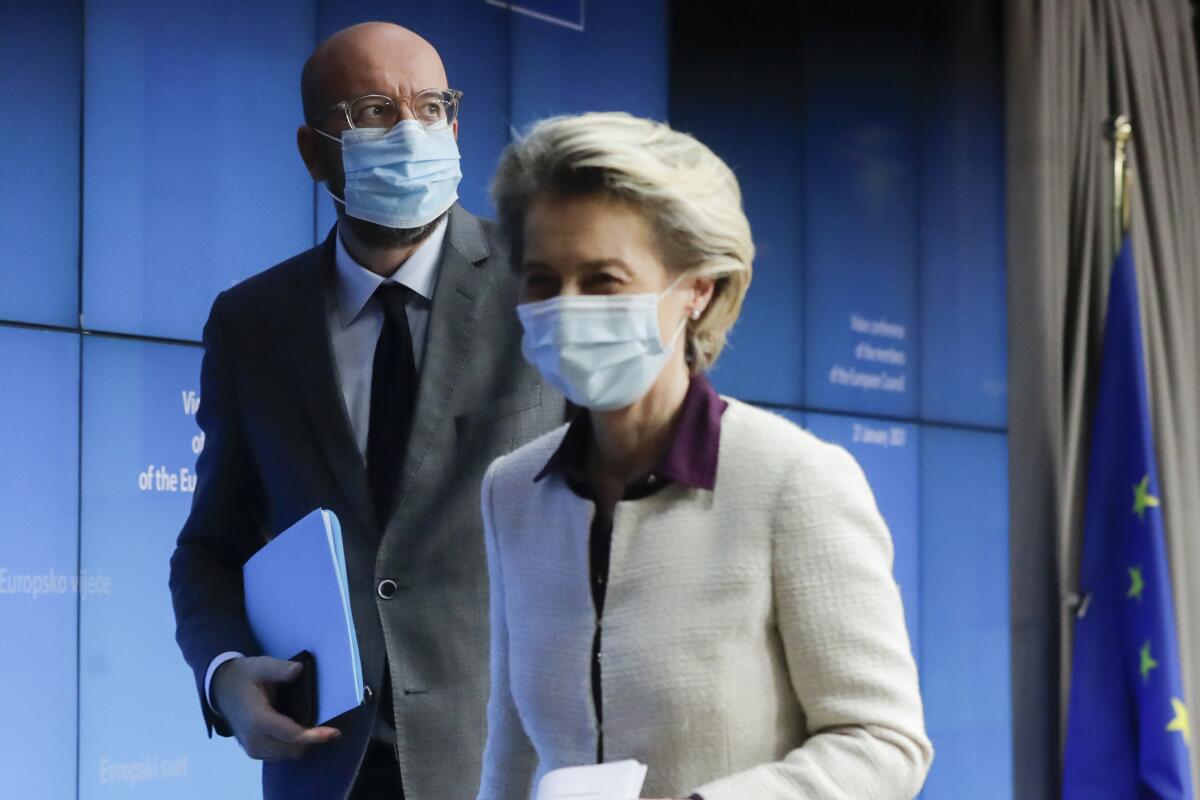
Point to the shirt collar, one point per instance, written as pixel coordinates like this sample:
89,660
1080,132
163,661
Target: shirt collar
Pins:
691,454
356,283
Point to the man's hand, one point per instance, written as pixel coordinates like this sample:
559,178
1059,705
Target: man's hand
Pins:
242,692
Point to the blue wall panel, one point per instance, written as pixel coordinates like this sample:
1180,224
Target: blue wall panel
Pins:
39,582
141,732
39,156
964,372
763,360
192,175
860,215
964,613
617,62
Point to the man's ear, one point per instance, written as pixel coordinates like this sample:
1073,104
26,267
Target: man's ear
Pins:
455,128
309,142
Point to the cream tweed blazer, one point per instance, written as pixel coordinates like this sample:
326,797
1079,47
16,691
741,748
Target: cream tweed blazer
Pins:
753,640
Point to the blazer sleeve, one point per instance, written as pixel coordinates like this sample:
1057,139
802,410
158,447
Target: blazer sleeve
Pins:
509,758
222,530
842,625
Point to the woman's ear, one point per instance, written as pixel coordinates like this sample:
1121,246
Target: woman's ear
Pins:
702,294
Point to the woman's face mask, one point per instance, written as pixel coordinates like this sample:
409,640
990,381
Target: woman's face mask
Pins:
603,352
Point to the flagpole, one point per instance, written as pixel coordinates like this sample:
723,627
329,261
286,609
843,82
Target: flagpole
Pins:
1122,132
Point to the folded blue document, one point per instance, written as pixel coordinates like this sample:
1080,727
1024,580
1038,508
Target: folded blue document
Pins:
297,598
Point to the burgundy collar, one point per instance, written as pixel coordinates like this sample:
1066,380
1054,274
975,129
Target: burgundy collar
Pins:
691,455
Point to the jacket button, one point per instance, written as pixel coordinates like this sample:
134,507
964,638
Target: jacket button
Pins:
387,589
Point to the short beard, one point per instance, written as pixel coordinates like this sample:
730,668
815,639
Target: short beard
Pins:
381,237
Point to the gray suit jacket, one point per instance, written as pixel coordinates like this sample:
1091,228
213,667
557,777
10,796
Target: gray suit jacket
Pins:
278,443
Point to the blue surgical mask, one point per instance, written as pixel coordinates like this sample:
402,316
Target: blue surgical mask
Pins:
403,177
603,352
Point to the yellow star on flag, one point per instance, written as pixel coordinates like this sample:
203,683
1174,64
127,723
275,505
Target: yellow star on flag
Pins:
1180,723
1148,662
1136,584
1142,499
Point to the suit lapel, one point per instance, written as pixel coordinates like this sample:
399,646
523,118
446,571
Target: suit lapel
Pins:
312,362
458,297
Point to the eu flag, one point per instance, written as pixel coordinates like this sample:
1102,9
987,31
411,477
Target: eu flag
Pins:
1127,729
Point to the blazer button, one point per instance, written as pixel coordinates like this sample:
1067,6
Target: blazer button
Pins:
387,589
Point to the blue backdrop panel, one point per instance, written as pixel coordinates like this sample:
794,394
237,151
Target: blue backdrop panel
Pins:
763,361
616,59
860,212
39,208
567,13
39,506
141,733
888,453
193,179
963,290
472,38
964,613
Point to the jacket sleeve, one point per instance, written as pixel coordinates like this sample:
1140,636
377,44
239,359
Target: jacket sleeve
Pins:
509,759
842,626
222,530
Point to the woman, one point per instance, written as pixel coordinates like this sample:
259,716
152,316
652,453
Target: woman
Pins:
676,577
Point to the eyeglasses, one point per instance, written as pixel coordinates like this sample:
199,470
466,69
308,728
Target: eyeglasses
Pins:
433,108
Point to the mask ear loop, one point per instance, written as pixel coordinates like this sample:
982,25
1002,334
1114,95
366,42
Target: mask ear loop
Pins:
325,184
670,346
336,199
672,286
695,313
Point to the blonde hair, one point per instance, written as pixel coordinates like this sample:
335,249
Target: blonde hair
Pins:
688,194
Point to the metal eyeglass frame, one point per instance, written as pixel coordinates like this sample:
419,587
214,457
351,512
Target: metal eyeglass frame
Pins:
345,105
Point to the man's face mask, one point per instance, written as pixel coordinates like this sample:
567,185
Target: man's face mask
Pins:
405,176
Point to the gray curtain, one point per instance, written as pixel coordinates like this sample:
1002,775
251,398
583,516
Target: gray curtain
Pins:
1072,66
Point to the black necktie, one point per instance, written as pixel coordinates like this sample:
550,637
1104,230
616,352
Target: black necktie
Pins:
393,395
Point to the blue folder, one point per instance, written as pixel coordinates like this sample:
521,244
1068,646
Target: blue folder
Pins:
297,599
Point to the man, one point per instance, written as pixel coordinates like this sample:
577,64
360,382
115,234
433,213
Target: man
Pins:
376,375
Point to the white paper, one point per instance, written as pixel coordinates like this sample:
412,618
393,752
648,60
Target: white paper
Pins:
617,780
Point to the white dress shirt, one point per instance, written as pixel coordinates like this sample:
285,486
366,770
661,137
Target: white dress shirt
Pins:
355,319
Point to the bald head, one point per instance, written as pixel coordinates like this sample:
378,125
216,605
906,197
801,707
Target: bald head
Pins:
371,57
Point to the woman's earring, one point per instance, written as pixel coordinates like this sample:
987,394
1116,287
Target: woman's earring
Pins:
695,313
